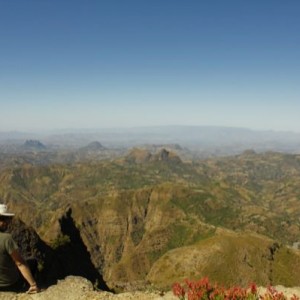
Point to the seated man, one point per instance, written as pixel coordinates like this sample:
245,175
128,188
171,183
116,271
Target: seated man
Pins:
11,260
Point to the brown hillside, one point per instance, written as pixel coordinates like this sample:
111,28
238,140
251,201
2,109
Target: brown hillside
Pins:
230,258
129,215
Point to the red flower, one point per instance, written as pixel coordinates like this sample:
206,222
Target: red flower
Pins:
253,288
178,290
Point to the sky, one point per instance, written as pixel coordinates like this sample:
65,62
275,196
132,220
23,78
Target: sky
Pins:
107,64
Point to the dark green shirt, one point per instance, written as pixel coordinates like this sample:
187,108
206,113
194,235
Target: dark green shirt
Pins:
8,270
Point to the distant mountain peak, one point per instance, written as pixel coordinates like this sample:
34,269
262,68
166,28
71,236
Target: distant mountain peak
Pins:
34,144
93,146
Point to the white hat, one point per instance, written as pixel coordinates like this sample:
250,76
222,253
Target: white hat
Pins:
3,211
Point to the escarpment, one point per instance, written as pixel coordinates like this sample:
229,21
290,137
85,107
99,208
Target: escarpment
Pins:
126,223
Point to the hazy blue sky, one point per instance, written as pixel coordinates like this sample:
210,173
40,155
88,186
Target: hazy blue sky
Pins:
117,63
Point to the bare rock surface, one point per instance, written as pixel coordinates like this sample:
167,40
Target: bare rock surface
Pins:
289,292
78,288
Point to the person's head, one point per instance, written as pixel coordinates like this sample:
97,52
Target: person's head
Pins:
5,217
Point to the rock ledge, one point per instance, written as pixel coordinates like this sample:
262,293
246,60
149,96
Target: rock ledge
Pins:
79,288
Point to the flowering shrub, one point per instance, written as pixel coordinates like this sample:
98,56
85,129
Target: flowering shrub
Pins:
203,290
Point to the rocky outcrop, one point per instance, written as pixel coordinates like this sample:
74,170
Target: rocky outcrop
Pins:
167,156
140,156
79,288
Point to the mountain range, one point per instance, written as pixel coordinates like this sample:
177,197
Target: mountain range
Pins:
149,216
201,140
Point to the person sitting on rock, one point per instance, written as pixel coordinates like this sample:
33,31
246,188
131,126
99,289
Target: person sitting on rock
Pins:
11,260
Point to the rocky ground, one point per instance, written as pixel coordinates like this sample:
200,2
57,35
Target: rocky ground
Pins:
78,288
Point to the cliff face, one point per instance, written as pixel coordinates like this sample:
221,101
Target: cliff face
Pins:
113,241
128,231
67,256
31,246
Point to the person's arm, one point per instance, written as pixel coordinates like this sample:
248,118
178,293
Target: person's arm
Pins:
25,271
